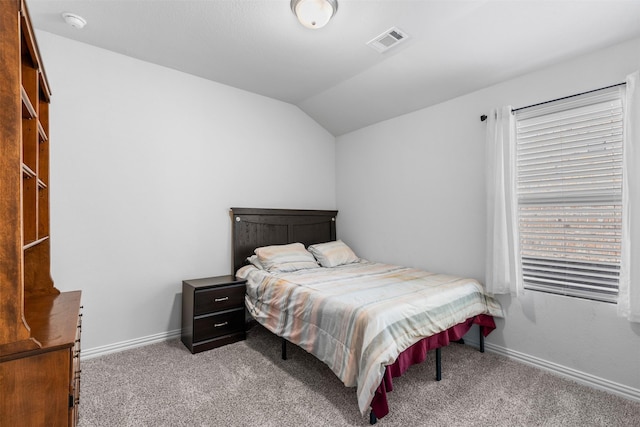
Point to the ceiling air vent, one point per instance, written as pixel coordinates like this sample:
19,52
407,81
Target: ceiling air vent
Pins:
390,38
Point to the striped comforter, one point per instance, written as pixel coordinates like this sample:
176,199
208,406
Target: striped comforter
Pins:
357,318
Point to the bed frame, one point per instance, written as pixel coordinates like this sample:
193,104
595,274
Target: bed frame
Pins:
253,228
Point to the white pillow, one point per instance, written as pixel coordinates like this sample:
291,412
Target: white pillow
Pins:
253,259
285,258
333,254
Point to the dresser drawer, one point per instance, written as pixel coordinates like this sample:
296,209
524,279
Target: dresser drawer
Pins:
215,325
219,298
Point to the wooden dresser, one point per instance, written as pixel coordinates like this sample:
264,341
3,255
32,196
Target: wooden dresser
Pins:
39,326
213,312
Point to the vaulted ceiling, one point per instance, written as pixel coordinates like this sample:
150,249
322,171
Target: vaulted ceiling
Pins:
454,46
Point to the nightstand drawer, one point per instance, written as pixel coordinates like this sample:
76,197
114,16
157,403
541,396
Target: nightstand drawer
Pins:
217,299
215,325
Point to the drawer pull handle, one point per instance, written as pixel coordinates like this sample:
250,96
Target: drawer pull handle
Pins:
221,299
217,325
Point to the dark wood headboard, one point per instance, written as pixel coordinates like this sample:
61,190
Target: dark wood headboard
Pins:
253,228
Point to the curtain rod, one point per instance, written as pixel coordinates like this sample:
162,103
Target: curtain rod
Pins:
484,116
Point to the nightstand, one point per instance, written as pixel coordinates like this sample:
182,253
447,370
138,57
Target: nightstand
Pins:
212,312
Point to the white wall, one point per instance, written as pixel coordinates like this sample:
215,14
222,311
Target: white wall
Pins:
411,191
145,164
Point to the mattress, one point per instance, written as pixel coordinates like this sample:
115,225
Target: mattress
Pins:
357,318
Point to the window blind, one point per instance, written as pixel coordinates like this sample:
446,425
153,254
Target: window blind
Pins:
569,189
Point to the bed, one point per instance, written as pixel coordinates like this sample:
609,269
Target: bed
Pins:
369,322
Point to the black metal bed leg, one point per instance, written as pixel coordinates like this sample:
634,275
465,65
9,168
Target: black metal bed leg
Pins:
284,349
438,364
372,418
481,339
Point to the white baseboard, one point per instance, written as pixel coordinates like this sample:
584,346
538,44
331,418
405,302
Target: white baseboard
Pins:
570,373
129,344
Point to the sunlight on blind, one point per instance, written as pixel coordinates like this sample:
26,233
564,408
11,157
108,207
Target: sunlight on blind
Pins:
569,185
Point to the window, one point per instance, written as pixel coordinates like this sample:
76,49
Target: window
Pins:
569,194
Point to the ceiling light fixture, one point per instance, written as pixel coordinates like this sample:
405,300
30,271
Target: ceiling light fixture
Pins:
76,21
314,13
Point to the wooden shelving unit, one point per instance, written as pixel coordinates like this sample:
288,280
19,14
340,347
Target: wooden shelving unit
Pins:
39,326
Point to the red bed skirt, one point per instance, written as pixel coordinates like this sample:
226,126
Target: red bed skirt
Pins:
418,352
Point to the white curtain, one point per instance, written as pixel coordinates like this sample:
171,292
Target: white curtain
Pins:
502,269
629,289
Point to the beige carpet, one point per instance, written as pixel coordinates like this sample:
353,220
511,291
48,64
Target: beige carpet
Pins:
247,384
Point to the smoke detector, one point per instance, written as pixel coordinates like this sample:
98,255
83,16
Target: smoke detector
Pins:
390,38
76,21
